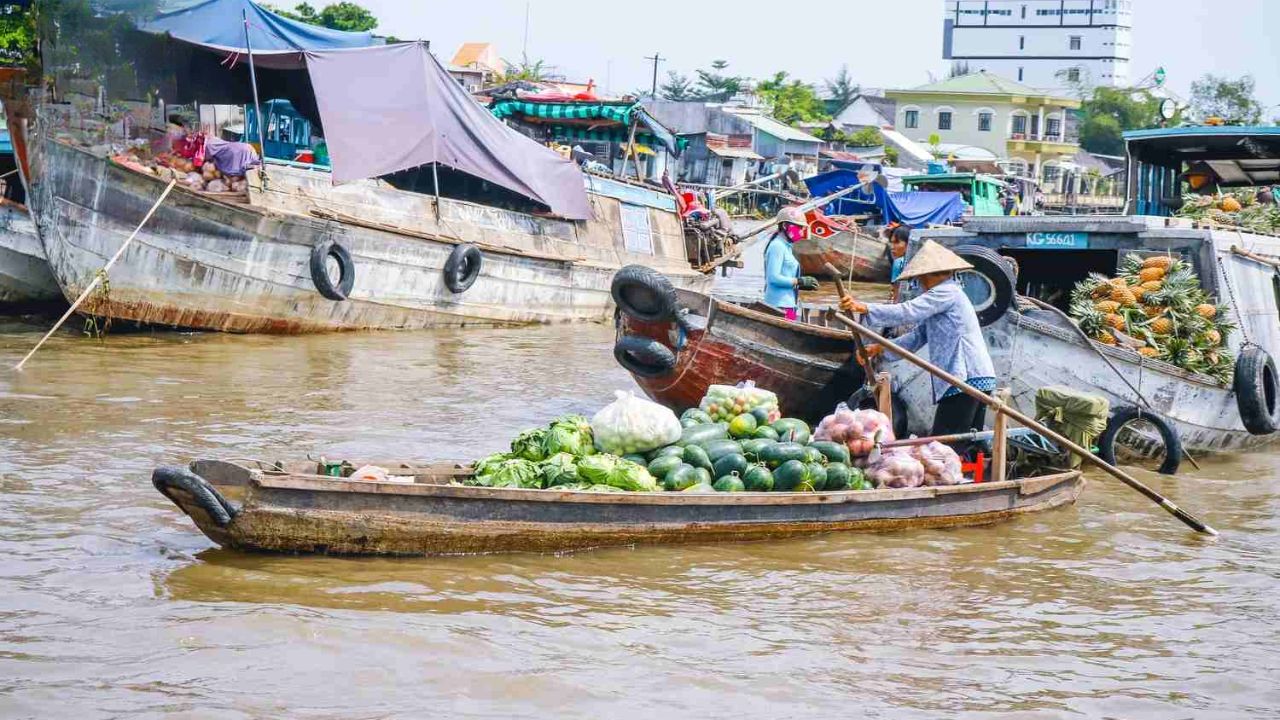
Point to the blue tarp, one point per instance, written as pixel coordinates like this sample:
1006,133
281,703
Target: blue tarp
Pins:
219,24
915,208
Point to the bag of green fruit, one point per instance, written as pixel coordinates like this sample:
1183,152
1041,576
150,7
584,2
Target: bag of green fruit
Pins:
631,425
725,402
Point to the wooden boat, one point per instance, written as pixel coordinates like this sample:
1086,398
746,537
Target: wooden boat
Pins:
291,508
25,278
860,256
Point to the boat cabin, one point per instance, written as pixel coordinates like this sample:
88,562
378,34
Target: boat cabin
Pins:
980,192
1166,162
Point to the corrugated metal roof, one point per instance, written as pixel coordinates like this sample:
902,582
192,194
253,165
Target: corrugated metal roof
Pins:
773,127
734,152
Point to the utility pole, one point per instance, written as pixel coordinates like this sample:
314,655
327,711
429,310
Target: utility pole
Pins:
656,58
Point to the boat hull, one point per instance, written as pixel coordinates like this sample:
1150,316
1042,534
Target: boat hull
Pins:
856,256
25,277
209,264
316,514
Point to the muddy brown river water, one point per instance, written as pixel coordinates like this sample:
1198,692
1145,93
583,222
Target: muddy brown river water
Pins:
112,604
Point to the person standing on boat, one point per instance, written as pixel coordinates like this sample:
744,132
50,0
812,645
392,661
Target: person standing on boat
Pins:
783,281
945,320
898,240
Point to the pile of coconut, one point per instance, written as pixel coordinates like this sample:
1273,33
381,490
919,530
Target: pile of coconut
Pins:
167,166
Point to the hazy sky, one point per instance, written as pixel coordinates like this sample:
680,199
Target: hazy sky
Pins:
886,43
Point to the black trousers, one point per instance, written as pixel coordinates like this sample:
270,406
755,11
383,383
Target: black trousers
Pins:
958,414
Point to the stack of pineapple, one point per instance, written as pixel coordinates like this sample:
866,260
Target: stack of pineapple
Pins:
1158,304
1238,208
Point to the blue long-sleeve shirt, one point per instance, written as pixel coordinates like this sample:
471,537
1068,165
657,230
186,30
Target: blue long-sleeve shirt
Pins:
945,320
780,272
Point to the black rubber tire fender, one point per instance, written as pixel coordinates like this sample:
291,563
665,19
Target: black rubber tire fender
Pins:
168,479
1124,414
644,357
320,255
1257,387
463,267
644,293
996,271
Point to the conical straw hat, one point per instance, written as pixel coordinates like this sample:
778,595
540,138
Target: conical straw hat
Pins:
932,258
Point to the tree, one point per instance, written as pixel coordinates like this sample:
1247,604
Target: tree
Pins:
525,70
866,137
1231,100
791,101
842,89
1111,111
717,86
678,87
347,16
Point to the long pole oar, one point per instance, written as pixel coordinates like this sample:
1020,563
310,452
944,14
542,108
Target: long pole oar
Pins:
97,278
1000,407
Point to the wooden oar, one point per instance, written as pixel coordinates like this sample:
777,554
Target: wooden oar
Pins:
868,363
1164,502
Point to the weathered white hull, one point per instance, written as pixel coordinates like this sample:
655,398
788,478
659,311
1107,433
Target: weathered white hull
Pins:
25,278
207,264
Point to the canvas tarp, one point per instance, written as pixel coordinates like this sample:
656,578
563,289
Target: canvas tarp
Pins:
915,208
394,107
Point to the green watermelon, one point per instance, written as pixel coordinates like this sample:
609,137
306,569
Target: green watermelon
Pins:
730,483
757,478
732,464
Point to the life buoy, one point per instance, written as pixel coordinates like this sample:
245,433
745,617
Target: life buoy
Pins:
1126,414
644,356
818,228
463,267
644,293
320,255
991,283
1256,389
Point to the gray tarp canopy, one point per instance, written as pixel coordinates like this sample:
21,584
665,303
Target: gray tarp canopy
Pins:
394,107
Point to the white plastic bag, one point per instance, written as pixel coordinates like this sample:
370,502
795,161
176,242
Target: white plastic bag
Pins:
725,402
633,425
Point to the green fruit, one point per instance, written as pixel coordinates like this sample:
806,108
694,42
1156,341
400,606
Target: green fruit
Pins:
837,476
733,464
761,414
817,476
766,433
792,430
791,476
659,467
696,457
697,416
743,426
717,449
757,478
834,452
813,455
704,475
635,458
703,433
858,480
700,488
670,450
730,483
751,448
689,422
776,455
680,478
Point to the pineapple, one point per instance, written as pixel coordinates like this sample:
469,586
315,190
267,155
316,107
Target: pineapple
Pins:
1106,306
1154,311
1148,352
1119,282
1139,292
1123,295
1091,321
1211,337
1152,285
1206,311
1105,338
1162,326
1115,321
1151,274
1161,261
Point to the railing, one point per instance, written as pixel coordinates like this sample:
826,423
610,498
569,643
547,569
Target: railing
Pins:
1043,137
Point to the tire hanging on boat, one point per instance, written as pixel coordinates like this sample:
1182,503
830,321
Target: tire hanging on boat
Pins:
644,356
1126,414
992,279
320,255
170,479
462,268
1256,388
644,293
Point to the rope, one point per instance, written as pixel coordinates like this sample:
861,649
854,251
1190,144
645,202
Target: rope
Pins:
1235,306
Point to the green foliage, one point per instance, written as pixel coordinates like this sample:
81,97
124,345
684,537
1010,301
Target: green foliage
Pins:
678,87
1231,100
346,16
717,86
17,37
1111,111
526,70
791,101
842,89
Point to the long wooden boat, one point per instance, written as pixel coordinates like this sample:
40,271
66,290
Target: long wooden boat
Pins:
857,255
290,508
208,263
25,278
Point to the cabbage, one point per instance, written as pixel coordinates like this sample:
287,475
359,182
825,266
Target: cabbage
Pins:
566,435
528,445
487,465
516,473
587,487
559,469
605,469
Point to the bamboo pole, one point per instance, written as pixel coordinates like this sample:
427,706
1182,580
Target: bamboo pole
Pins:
1001,407
742,246
97,278
999,446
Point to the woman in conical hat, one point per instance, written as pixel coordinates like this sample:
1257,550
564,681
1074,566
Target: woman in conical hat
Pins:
944,320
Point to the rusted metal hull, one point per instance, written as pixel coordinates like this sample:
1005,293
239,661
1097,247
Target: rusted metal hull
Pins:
208,264
25,278
316,514
857,256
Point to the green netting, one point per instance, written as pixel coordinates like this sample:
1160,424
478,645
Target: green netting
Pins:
564,111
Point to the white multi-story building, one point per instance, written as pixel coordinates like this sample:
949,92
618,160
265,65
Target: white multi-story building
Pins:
1042,43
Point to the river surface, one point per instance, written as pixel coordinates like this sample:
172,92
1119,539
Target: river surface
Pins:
113,605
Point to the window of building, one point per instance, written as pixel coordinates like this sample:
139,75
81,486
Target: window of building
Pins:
1053,127
1022,42
984,122
911,118
1019,125
944,120
1075,42
1073,74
